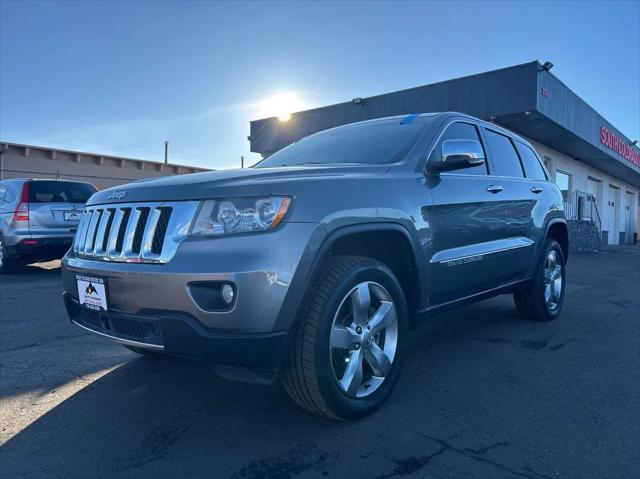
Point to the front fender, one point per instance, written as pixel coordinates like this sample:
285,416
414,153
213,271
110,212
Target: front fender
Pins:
310,266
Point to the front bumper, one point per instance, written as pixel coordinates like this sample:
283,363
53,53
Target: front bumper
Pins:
181,335
152,305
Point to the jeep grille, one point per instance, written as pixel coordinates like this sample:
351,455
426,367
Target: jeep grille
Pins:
133,232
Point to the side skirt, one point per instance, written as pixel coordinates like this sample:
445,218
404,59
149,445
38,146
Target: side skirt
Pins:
474,298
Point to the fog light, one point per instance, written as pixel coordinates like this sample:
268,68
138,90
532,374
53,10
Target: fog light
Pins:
213,296
227,293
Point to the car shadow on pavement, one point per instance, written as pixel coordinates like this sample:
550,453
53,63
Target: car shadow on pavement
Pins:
29,272
482,394
162,416
148,409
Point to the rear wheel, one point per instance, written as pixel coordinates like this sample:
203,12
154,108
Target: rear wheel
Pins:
349,349
543,298
7,265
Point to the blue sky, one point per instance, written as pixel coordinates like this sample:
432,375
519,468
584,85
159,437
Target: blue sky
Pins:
122,77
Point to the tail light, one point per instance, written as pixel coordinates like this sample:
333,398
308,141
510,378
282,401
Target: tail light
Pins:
21,215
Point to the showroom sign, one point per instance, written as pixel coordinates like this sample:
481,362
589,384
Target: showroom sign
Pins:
619,145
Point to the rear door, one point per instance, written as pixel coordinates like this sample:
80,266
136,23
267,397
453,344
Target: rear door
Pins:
7,207
517,170
55,207
524,197
4,206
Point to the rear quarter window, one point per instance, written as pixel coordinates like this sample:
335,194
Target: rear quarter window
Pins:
60,192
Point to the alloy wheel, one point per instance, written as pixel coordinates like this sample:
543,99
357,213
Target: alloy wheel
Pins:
364,339
553,280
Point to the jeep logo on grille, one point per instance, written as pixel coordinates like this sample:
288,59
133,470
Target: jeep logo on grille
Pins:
117,195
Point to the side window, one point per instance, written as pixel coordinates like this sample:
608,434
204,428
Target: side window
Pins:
10,196
530,161
3,190
459,131
503,155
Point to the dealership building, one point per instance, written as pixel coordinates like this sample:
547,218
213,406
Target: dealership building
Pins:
594,164
104,171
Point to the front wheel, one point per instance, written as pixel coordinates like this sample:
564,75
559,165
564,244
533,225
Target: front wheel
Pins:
349,348
543,297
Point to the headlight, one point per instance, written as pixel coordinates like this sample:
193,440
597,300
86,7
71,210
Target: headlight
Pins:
240,215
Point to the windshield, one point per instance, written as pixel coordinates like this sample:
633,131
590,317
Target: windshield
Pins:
60,191
379,142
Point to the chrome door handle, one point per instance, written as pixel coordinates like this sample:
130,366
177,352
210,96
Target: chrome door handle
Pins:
536,189
495,189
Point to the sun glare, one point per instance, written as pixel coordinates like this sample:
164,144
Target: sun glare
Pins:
281,105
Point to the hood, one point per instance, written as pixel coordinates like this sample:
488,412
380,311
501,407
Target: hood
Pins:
225,183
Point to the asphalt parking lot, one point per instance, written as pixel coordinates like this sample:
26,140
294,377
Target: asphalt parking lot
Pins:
484,394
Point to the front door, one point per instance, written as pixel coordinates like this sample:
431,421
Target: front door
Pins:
473,242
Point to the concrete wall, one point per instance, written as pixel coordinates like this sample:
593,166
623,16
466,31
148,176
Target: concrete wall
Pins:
613,218
20,161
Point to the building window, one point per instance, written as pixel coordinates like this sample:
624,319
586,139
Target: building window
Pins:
563,180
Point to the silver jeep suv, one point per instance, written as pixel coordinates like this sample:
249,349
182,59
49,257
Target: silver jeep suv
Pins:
38,218
313,265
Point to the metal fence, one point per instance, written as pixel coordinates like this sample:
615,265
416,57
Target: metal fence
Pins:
582,206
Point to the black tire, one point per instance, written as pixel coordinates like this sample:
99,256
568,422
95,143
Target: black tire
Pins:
7,265
309,376
530,301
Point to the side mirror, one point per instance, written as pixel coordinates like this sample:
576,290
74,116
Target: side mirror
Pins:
458,154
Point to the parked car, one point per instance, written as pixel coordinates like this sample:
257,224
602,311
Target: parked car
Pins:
313,265
38,219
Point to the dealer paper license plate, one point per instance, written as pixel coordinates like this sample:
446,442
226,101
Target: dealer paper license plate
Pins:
92,292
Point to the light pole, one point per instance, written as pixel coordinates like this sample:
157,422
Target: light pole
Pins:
166,151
